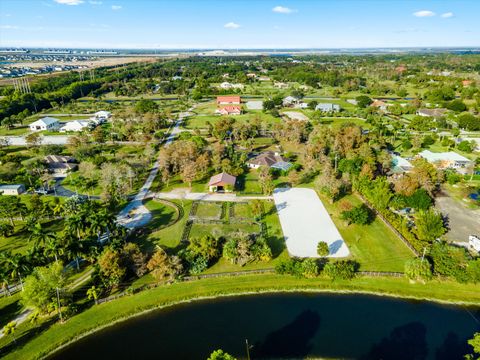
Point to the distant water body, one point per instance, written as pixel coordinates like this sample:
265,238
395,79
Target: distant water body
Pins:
293,326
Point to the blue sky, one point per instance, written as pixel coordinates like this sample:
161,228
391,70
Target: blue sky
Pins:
239,23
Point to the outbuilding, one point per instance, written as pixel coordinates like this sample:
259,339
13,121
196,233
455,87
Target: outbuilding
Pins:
222,182
46,123
14,189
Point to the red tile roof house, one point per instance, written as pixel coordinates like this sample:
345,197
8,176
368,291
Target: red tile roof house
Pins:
222,182
226,100
229,110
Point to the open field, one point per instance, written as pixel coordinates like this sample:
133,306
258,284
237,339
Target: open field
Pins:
374,246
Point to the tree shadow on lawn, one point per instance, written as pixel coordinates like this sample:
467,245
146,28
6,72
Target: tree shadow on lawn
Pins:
8,312
25,337
277,244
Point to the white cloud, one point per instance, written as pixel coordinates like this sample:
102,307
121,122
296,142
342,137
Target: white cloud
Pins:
424,13
116,7
283,10
231,25
10,27
447,15
69,2
95,2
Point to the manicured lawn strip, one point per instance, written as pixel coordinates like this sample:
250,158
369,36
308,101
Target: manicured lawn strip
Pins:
102,315
374,246
209,210
199,230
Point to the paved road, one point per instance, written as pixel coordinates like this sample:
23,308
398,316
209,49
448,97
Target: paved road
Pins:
461,220
135,214
46,140
229,197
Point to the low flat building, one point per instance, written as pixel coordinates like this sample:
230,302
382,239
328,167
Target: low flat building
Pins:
75,126
222,182
327,107
379,104
445,160
14,189
435,113
290,101
59,164
229,110
228,100
269,159
45,124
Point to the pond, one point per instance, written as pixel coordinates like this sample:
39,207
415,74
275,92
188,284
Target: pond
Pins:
293,325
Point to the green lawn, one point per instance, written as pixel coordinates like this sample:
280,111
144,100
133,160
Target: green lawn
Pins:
207,209
18,242
242,210
247,183
102,315
16,131
168,235
374,246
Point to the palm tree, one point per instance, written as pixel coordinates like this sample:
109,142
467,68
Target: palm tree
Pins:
5,282
54,247
17,266
75,224
40,236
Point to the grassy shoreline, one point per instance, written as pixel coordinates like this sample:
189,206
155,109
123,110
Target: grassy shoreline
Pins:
105,315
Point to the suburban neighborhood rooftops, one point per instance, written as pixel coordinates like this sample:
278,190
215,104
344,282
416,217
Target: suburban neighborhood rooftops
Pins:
222,178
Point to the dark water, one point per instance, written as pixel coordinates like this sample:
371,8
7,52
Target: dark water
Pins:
289,326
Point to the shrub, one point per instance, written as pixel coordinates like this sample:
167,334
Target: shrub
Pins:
340,270
361,215
322,249
418,269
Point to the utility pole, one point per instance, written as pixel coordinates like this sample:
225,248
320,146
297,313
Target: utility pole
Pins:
424,251
59,306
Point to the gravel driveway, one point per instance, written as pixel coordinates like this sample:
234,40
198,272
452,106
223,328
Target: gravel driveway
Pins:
305,222
462,221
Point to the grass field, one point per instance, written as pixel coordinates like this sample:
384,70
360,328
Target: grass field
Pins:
166,236
374,246
209,210
18,242
102,315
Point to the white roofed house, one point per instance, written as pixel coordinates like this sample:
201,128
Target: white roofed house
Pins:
46,123
446,160
327,107
102,114
76,126
14,189
435,113
289,101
